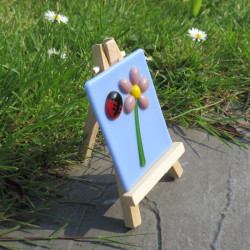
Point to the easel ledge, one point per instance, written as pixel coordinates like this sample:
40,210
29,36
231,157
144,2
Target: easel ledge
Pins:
104,57
154,174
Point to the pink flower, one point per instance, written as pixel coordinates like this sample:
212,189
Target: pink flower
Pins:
135,87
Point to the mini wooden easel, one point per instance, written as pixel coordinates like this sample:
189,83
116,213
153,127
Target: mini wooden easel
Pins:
168,162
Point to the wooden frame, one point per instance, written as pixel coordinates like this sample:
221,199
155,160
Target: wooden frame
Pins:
104,57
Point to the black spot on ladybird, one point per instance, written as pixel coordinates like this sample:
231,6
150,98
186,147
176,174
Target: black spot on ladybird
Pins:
113,105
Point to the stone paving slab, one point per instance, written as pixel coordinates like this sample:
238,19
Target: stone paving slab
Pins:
207,208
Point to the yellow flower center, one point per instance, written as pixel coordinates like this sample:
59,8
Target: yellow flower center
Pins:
136,91
56,17
198,35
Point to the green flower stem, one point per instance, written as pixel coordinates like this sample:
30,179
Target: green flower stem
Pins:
138,135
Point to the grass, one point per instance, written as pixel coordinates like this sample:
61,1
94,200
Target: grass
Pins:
43,104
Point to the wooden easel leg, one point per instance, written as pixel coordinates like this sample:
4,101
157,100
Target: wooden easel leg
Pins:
89,135
102,61
131,214
176,170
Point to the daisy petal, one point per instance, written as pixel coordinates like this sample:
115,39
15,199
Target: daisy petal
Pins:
143,101
63,55
143,84
52,51
129,104
125,85
148,58
62,19
134,75
49,15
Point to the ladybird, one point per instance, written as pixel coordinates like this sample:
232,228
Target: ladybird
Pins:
113,105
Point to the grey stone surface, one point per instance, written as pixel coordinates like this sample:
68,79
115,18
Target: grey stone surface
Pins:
207,208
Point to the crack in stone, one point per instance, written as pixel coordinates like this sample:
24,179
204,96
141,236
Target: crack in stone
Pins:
154,208
95,184
214,245
86,210
104,190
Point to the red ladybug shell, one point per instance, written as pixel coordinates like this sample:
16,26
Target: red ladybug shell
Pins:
113,105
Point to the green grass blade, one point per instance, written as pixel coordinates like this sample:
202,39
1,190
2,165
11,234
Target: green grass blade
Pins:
24,223
118,242
10,230
8,246
195,6
54,235
77,203
8,168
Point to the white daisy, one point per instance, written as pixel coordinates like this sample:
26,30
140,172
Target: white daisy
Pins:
197,34
51,16
52,51
63,55
148,58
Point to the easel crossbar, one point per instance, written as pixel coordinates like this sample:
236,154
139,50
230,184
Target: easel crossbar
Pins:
154,174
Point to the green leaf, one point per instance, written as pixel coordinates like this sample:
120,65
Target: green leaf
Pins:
8,168
195,6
